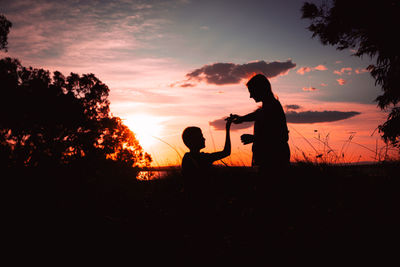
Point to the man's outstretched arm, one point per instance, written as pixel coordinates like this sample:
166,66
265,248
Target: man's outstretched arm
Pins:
248,117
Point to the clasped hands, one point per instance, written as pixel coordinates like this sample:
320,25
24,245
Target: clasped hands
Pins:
236,119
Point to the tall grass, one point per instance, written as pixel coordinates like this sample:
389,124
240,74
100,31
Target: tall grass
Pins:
329,155
324,153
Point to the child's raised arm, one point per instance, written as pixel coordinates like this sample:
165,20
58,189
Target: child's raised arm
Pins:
227,148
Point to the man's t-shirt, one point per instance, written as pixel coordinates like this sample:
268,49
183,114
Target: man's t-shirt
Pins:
270,147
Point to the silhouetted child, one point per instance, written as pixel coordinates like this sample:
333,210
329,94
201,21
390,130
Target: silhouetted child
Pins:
196,165
198,184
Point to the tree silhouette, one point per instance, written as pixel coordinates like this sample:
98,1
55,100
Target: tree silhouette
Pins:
5,26
369,28
59,119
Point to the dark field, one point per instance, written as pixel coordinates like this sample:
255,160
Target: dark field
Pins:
86,210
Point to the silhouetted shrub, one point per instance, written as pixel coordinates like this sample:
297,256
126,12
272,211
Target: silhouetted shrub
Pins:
55,120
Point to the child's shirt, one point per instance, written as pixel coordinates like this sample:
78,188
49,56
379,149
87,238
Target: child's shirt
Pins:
196,169
193,163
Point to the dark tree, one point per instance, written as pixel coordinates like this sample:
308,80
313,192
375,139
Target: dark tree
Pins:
5,26
59,119
370,28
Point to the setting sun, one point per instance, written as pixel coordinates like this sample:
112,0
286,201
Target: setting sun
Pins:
145,127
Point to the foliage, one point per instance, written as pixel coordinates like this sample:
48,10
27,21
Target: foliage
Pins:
59,119
367,27
5,26
391,127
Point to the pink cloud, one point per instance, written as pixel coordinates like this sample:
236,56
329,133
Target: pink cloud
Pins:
343,71
324,84
309,89
361,71
337,72
341,81
187,85
182,84
304,70
320,67
80,34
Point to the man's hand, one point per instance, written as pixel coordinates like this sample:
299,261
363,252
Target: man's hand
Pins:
247,139
236,119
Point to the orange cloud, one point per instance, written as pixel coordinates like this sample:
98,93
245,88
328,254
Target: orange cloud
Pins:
182,84
320,67
341,81
343,71
360,71
309,89
304,70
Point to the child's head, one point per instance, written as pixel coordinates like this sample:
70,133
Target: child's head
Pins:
193,138
259,88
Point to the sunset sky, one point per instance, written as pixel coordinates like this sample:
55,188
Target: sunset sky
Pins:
172,64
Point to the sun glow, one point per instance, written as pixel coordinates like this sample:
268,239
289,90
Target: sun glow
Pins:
147,128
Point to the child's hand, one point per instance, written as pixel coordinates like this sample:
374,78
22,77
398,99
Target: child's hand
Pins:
229,120
236,119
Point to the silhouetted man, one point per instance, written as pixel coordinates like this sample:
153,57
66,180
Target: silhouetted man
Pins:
271,155
270,139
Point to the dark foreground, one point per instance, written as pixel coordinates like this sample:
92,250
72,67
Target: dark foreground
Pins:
68,212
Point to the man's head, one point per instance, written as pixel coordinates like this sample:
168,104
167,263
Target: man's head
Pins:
193,138
259,88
